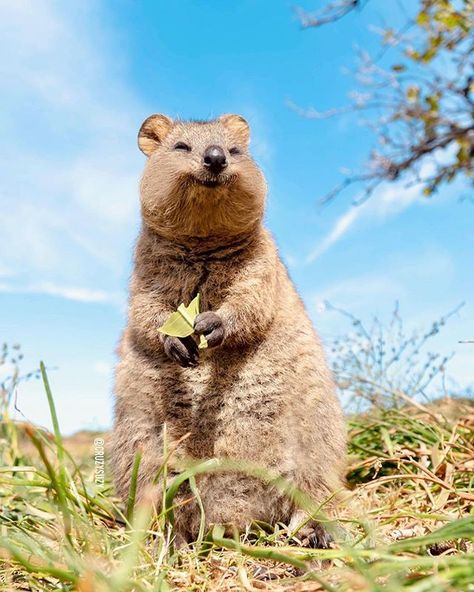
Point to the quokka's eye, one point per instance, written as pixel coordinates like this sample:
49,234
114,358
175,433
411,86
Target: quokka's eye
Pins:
182,146
234,151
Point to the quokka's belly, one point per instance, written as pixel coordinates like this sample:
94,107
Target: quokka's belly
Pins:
243,403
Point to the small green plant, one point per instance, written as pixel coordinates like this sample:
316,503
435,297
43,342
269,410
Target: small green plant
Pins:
382,364
10,374
181,322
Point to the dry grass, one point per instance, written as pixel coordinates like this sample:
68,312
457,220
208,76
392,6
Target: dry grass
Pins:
408,523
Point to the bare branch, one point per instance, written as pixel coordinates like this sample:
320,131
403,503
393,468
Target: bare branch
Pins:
330,14
421,105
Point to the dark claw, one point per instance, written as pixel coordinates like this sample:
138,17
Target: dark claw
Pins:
320,538
183,350
314,535
210,325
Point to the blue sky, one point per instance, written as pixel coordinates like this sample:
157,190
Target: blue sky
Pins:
77,80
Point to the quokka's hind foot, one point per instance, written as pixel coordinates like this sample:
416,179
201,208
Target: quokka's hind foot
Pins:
310,534
316,536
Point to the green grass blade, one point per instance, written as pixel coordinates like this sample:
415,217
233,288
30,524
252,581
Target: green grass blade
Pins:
133,485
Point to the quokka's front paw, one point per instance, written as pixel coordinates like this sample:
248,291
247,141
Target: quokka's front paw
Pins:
210,325
183,350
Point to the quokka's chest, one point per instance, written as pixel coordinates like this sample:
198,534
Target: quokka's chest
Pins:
183,280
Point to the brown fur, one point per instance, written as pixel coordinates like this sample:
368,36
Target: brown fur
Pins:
264,394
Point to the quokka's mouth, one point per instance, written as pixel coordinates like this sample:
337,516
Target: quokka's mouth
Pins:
209,182
213,180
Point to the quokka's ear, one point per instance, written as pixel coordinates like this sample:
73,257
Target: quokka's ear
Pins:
152,132
238,126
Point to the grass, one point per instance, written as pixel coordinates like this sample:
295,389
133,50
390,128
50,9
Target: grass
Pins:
408,523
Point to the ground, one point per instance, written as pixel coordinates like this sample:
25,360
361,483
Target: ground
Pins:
408,522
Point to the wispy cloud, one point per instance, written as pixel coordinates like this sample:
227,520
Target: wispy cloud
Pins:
379,290
75,293
340,228
69,175
388,201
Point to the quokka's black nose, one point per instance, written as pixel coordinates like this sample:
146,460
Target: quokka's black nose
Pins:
214,159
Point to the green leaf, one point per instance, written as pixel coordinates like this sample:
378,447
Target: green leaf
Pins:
422,18
181,322
177,326
428,55
413,54
433,102
413,92
194,306
449,19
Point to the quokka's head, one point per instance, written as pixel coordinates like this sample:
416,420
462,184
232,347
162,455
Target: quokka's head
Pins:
199,180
